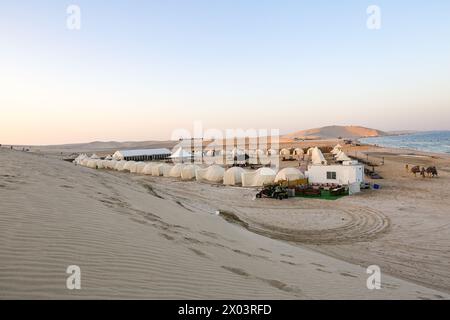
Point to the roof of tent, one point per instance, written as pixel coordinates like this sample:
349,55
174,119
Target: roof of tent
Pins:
142,152
317,156
343,157
180,153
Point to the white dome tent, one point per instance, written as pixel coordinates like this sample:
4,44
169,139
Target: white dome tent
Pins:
158,170
175,171
84,162
258,178
213,173
92,163
128,165
309,151
233,176
148,168
100,164
189,172
166,170
138,167
111,164
80,158
285,154
94,156
298,152
120,164
289,174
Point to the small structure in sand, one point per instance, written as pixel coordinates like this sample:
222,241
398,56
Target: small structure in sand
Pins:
289,174
175,171
258,178
233,176
189,171
213,173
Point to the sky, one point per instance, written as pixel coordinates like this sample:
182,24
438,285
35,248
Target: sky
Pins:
138,70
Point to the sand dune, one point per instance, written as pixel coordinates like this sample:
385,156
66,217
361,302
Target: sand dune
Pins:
334,132
132,242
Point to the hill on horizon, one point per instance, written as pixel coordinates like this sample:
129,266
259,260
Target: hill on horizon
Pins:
335,132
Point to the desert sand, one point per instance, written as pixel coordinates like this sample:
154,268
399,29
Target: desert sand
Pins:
158,238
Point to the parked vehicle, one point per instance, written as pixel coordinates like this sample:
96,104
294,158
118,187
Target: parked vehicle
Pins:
274,192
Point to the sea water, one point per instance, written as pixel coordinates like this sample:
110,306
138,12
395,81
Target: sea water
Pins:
433,141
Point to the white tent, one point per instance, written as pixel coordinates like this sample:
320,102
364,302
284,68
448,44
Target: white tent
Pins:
298,152
80,158
233,176
175,171
189,172
166,170
289,174
132,167
317,157
94,156
101,164
111,164
337,154
180,155
138,167
148,168
342,157
158,170
128,165
108,157
213,173
92,163
120,164
84,161
309,151
258,178
285,153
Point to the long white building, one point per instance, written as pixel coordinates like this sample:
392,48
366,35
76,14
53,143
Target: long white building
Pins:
142,154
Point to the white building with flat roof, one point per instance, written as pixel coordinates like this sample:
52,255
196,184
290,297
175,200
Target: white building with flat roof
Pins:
349,173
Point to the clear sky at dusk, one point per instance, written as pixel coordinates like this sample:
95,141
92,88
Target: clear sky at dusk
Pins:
139,69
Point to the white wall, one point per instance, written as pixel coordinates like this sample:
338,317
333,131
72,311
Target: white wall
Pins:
344,174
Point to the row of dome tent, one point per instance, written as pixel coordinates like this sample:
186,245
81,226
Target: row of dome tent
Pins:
220,156
213,173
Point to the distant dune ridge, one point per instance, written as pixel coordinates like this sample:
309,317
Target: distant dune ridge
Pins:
334,132
111,145
323,133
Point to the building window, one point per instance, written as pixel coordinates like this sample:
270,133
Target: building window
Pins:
331,175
